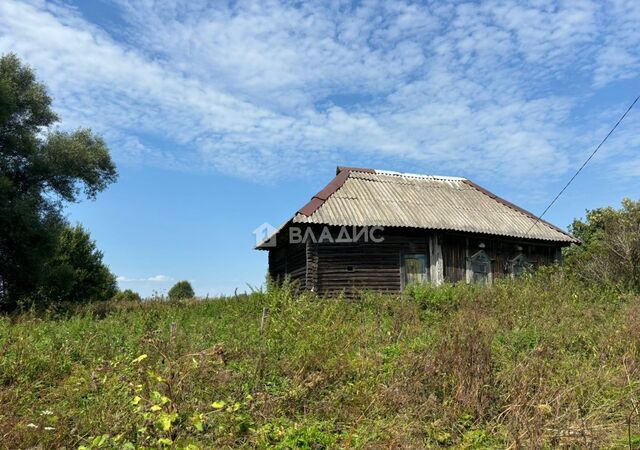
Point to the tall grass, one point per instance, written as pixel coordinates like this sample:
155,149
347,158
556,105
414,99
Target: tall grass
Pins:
530,363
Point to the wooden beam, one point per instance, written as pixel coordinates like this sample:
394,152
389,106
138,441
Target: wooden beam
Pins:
435,259
467,255
311,276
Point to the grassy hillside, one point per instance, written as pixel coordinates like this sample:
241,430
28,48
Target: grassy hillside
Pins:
530,363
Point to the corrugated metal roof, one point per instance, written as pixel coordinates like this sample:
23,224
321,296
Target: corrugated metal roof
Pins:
378,198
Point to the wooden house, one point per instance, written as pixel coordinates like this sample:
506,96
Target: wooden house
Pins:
379,230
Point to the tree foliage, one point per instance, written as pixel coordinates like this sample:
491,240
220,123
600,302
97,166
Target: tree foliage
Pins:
127,296
181,290
610,253
76,273
40,169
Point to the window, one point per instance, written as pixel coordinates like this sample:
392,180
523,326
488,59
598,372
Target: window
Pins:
519,265
415,268
480,264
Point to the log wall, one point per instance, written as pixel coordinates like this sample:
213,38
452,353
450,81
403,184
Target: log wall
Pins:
330,268
370,266
288,260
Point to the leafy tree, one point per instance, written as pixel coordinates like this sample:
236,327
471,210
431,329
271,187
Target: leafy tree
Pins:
40,169
127,296
181,290
76,273
610,253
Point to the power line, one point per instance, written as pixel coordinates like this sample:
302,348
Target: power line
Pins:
582,166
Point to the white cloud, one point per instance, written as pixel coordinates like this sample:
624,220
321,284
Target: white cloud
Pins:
615,62
154,279
629,168
160,278
458,88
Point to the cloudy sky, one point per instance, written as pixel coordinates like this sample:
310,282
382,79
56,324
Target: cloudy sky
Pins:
224,115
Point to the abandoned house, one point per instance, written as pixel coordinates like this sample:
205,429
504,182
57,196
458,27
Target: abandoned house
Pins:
379,230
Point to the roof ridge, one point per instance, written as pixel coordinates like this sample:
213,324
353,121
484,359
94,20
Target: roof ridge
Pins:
417,175
340,169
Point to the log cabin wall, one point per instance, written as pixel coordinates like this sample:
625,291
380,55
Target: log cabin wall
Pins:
277,263
353,267
311,256
288,260
330,268
457,247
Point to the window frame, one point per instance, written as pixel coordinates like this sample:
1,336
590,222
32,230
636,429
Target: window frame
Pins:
404,255
488,275
519,260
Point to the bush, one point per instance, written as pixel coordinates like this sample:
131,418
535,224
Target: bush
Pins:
610,254
440,298
127,296
181,290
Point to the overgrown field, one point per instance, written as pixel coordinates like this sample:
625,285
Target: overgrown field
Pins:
536,362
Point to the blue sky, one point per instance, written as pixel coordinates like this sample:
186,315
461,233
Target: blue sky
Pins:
221,116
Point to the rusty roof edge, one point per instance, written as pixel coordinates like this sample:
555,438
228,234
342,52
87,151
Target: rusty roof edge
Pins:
519,209
353,169
342,173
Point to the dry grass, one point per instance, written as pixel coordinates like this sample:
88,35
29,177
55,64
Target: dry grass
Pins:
534,363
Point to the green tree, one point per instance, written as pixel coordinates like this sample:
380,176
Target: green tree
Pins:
610,253
181,290
40,169
127,296
76,273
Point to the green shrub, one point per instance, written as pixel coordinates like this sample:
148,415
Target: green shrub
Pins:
284,435
440,298
181,290
127,296
610,253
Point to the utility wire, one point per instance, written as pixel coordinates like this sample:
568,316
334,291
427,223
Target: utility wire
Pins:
539,218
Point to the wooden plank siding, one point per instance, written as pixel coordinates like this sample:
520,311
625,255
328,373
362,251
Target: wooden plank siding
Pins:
454,257
330,268
457,248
